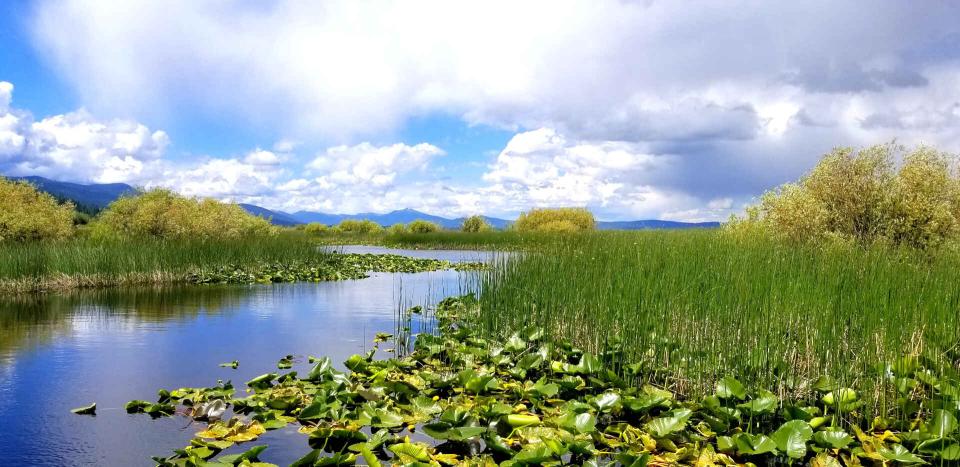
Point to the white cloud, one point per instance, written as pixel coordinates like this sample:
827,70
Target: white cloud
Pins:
6,95
542,168
607,70
261,157
367,164
76,145
225,179
635,108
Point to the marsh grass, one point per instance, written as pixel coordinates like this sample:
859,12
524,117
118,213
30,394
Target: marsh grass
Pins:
85,262
686,308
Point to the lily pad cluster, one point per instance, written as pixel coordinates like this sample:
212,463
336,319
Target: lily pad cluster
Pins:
459,398
331,268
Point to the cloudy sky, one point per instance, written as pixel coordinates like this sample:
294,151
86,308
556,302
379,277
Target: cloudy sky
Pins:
635,109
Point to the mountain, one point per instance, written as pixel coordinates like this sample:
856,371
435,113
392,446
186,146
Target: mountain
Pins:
94,197
401,216
88,198
404,216
275,217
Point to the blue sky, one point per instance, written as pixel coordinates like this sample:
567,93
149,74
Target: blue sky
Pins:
633,109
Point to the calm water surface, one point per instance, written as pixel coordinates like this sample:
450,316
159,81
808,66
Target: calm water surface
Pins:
58,352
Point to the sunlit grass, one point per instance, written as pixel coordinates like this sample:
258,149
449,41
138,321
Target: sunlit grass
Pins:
689,307
88,262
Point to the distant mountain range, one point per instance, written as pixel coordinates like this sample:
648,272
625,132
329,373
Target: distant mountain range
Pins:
87,198
94,197
401,216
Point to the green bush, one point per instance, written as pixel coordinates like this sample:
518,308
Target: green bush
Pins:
475,224
863,196
161,213
354,226
28,214
398,229
421,226
556,220
316,228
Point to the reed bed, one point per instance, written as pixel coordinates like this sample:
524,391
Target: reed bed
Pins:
683,309
85,262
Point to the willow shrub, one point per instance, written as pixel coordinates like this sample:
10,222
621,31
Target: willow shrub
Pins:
28,214
354,226
556,220
161,213
316,228
866,197
420,226
474,224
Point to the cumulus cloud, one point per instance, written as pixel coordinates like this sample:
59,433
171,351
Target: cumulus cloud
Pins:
366,164
75,145
609,69
634,108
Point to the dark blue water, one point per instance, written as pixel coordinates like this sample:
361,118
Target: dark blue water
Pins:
58,352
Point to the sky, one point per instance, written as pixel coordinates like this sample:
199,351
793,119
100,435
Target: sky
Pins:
634,109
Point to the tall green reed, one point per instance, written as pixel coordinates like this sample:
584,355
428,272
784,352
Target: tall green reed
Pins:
686,308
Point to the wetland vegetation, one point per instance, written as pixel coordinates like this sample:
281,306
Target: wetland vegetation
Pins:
820,328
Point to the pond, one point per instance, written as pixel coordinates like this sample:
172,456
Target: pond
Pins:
63,351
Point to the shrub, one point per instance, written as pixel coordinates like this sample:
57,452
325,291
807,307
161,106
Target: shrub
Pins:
475,224
397,229
864,197
28,214
421,226
354,226
161,213
316,228
555,220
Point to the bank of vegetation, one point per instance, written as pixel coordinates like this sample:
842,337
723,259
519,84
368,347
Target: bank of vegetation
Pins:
157,237
530,398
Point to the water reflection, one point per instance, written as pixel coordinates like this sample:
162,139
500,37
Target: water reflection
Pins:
63,351
35,320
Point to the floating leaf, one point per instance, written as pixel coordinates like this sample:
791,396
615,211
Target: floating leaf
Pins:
900,454
942,423
791,438
833,438
728,387
86,410
674,422
754,444
410,452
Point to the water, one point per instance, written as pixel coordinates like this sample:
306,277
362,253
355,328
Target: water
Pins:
59,352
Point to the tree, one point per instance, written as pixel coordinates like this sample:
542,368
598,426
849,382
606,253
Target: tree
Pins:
475,224
28,214
421,226
555,220
161,213
316,228
354,226
865,197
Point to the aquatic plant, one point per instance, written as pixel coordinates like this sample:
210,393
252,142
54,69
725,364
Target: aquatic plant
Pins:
328,268
86,263
692,307
459,398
